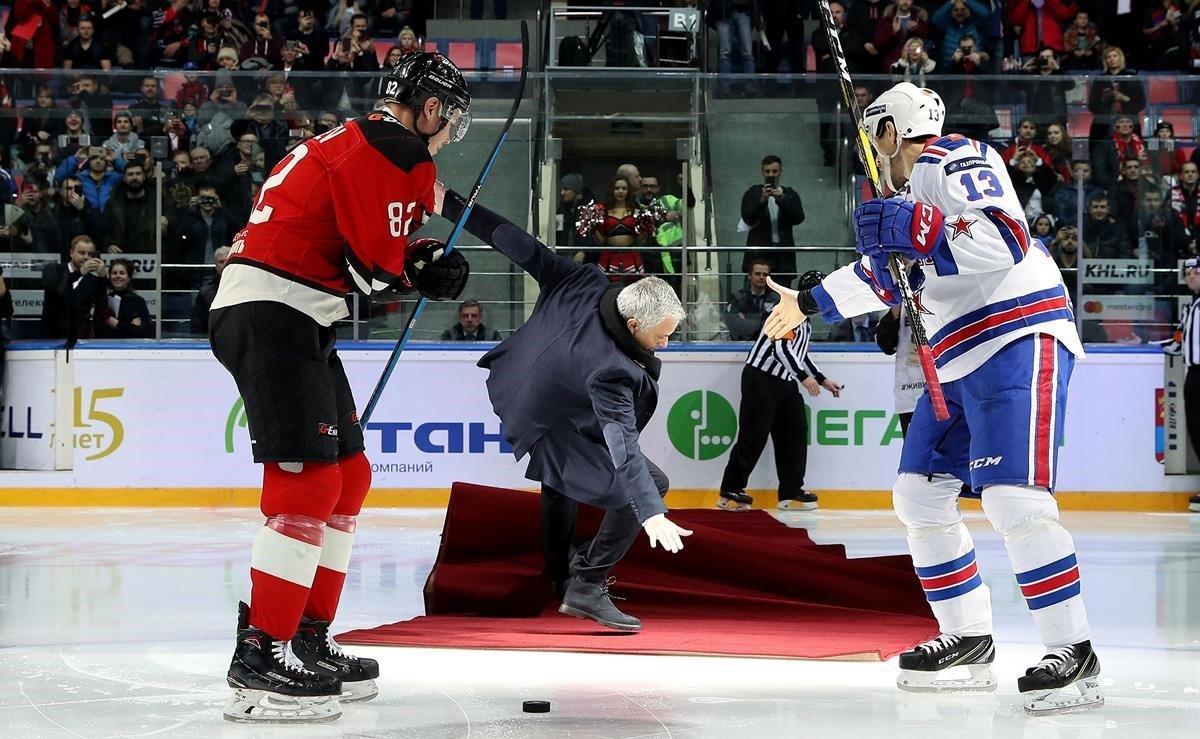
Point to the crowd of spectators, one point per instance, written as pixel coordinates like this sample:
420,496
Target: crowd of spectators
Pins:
907,37
82,150
236,85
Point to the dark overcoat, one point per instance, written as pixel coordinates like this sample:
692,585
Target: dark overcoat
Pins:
568,389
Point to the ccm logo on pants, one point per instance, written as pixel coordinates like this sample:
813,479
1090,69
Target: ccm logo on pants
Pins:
986,462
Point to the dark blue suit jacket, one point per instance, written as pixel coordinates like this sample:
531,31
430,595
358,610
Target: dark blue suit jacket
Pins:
568,395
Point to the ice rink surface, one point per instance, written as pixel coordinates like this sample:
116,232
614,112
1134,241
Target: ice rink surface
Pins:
119,622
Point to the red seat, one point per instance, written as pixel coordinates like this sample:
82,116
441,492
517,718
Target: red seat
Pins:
1079,123
508,56
464,54
1181,118
1163,90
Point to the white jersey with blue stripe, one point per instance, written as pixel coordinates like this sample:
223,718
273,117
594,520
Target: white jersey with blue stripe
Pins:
987,283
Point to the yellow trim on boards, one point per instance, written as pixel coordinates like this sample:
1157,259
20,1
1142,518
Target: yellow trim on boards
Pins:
437,498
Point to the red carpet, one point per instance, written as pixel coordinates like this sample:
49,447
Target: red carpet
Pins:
744,584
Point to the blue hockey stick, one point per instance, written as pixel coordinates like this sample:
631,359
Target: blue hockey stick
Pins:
458,228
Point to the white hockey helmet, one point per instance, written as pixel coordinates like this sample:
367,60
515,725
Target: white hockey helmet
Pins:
914,111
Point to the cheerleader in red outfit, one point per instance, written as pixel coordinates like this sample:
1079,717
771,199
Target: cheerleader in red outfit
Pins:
619,231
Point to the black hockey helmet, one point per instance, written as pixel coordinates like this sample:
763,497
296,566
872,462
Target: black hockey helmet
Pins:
422,75
810,279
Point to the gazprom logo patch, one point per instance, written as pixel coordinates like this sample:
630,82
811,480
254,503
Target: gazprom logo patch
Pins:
875,110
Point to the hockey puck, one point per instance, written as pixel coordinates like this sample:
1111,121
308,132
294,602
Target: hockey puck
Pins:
536,706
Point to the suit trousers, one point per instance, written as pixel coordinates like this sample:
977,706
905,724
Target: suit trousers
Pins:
593,559
770,407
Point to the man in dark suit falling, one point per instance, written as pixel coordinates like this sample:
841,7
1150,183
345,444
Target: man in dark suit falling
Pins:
574,387
771,211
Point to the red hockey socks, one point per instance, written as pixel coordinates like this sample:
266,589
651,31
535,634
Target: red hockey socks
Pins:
297,501
339,539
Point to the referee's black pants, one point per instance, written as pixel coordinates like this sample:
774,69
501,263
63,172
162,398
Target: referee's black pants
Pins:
1191,406
775,408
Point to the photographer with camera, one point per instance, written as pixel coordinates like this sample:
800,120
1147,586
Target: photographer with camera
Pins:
99,170
197,232
1046,92
70,215
770,212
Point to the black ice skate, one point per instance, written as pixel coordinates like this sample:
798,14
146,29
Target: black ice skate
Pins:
1043,684
802,502
923,665
271,685
735,500
592,600
321,654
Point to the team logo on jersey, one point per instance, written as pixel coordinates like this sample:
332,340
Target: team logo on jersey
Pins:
327,429
960,227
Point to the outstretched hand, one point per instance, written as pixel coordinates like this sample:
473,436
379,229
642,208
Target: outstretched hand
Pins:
786,316
664,532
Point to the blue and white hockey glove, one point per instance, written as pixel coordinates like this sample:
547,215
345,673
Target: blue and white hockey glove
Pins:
897,226
884,285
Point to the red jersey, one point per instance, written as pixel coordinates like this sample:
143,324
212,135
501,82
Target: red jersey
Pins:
367,185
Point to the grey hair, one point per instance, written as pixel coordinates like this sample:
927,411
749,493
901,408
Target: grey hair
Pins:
649,301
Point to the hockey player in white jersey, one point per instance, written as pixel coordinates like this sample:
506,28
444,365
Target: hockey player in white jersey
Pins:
1003,338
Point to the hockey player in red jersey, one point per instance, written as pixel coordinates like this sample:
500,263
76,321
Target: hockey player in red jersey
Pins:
335,214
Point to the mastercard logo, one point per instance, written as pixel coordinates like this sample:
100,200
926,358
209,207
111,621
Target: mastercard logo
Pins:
1093,306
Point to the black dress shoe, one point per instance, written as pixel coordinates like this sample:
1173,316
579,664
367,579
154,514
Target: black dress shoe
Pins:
586,599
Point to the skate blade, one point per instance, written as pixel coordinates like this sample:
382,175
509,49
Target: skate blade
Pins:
732,505
1194,507
358,691
982,680
791,505
1053,702
567,610
260,707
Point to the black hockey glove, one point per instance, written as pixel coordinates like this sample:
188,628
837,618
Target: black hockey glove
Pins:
436,274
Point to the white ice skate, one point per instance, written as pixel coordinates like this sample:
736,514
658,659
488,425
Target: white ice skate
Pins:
802,502
1045,685
922,668
261,707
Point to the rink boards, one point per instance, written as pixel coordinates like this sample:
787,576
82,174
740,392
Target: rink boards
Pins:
163,424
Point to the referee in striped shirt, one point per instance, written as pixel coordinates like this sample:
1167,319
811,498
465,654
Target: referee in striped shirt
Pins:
1187,342
773,406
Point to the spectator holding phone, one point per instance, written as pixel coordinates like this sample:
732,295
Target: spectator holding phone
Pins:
263,43
99,170
72,292
770,211
70,216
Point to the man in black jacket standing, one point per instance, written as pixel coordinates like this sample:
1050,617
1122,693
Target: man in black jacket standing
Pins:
771,211
574,387
72,292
